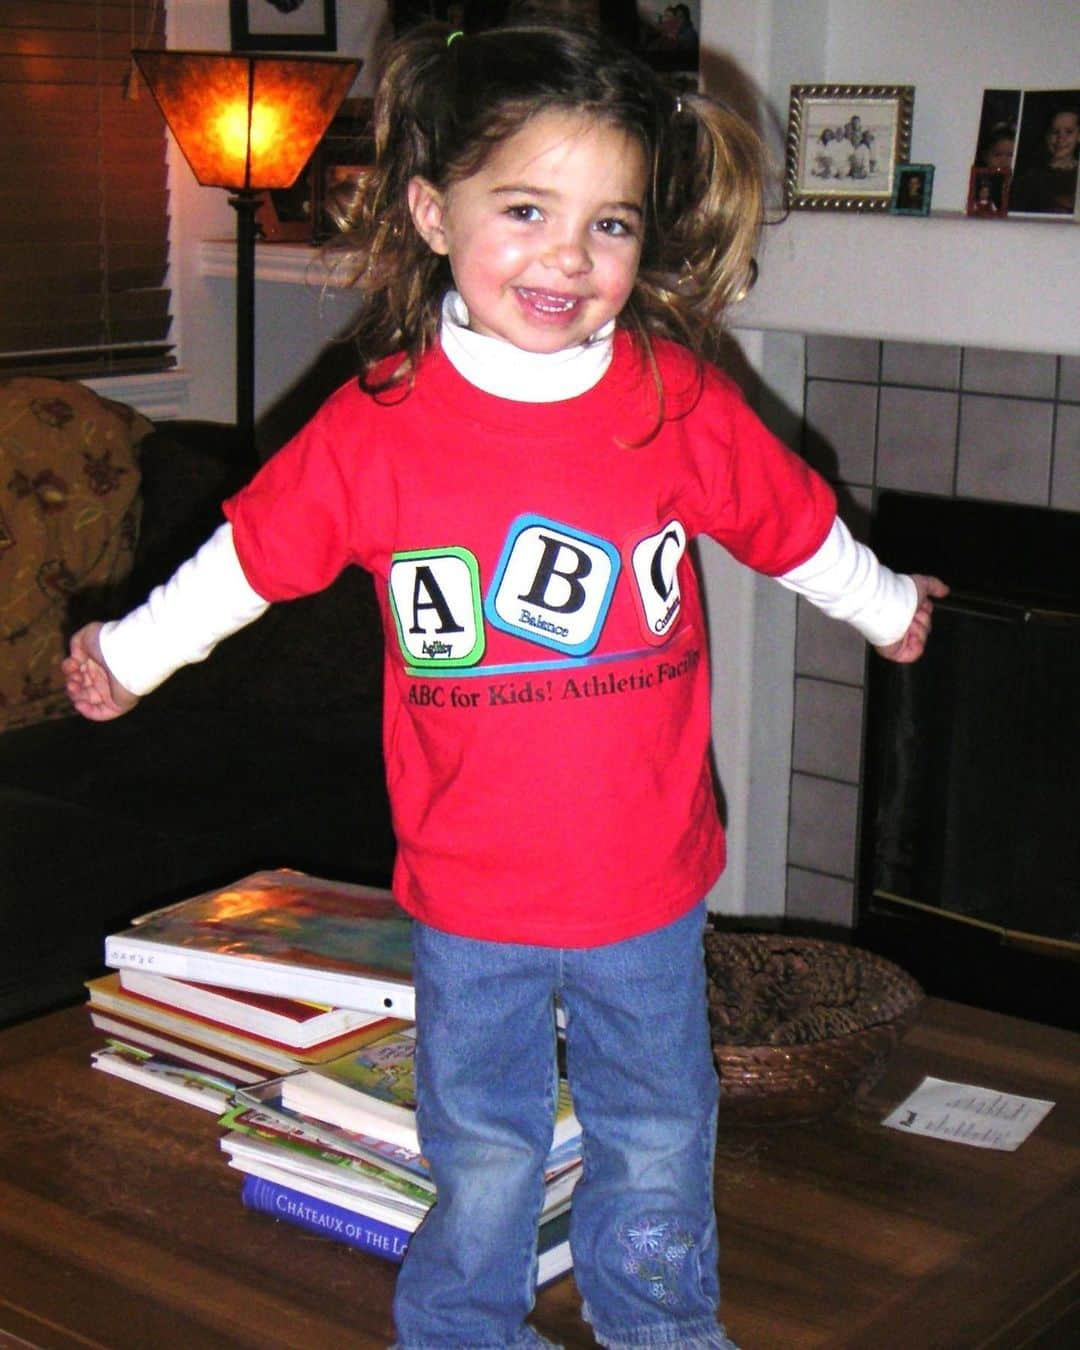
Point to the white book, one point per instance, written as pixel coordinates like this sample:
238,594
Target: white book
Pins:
282,932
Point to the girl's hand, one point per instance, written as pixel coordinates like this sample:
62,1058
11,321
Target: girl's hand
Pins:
910,646
89,683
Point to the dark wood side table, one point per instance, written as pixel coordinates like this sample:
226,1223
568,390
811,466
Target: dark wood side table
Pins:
121,1224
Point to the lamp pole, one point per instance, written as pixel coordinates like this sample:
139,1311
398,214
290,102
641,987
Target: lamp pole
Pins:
245,203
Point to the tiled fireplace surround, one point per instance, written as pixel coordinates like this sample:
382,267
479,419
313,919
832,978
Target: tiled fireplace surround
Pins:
993,425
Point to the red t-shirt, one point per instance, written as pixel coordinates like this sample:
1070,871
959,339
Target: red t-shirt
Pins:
547,686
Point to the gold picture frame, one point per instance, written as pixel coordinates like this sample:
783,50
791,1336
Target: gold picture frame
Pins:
844,144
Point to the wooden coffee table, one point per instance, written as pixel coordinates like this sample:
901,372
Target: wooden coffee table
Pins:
121,1224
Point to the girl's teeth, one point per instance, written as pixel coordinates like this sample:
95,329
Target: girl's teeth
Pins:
551,303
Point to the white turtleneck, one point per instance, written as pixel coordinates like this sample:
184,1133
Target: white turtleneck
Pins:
498,368
209,597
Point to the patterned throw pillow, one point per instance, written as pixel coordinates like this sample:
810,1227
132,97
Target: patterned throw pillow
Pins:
69,512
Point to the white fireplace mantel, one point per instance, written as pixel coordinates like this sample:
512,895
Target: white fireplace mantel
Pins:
944,278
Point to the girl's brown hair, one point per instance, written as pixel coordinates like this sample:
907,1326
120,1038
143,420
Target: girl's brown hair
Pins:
441,108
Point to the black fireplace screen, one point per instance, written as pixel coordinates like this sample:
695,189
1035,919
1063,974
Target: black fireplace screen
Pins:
972,773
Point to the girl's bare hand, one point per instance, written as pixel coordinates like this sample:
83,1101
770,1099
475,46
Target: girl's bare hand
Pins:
910,647
90,685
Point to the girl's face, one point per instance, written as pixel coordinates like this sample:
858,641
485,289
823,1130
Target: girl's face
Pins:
1061,140
1000,153
544,240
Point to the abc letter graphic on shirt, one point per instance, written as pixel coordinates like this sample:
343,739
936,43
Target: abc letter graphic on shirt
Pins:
654,561
435,598
553,585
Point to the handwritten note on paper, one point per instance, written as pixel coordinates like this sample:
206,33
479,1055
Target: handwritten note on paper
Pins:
968,1115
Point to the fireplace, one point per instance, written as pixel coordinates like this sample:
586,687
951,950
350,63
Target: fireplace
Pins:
969,873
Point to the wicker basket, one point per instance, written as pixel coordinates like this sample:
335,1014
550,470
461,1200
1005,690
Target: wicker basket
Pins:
800,1025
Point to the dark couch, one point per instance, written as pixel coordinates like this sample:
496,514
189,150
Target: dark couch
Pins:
267,754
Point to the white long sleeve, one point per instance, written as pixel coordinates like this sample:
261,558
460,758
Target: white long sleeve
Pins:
182,621
845,580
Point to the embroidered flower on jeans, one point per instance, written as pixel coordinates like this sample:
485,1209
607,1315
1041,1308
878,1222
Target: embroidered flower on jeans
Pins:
656,1251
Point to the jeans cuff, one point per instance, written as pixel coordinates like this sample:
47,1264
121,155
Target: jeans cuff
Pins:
701,1334
525,1340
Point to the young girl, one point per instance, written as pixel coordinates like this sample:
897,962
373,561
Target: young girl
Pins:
542,248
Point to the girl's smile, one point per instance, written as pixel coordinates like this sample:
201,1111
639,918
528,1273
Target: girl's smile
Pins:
1062,139
544,239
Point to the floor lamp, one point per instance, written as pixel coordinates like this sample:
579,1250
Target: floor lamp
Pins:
246,122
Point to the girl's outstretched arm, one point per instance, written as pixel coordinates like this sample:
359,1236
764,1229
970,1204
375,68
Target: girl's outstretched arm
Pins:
93,689
910,647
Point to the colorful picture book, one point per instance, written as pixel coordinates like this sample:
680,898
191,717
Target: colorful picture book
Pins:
282,932
285,1021
352,1183
263,1100
185,1083
372,1091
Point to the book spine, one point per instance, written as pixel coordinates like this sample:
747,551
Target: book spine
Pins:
319,1216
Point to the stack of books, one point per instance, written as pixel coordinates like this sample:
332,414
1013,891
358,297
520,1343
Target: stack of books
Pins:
334,1149
284,1004
278,971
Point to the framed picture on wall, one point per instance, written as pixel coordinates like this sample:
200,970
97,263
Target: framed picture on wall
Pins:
1035,135
988,193
1044,171
914,189
283,25
844,144
344,156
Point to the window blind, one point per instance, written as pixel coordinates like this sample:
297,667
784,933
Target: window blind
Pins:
83,191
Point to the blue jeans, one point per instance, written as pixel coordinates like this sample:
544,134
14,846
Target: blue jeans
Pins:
643,1227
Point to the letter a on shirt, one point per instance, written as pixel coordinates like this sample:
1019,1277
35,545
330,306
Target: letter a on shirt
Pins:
435,598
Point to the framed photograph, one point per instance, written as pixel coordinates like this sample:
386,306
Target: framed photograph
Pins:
1044,176
914,189
283,25
844,144
988,193
1034,133
344,155
995,146
284,214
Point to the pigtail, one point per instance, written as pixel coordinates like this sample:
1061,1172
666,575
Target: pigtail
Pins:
400,281
707,208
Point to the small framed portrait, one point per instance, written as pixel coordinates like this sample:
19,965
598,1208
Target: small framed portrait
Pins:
988,193
344,156
844,144
914,189
283,25
284,214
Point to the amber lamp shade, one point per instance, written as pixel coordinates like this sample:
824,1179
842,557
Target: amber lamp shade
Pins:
246,121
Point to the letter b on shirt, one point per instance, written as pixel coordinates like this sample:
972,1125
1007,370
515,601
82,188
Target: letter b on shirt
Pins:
553,585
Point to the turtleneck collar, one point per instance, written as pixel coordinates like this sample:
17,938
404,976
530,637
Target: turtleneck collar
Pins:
499,368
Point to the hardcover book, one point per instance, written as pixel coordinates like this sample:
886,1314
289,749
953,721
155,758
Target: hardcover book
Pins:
282,932
107,998
373,1091
315,1214
285,1021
